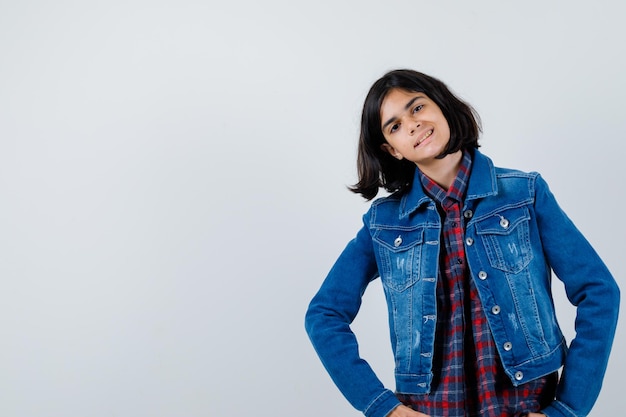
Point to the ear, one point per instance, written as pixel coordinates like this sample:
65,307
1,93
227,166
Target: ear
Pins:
391,151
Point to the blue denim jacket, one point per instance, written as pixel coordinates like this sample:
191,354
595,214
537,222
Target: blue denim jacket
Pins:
515,236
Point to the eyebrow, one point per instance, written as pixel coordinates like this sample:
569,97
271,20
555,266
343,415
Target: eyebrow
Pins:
406,107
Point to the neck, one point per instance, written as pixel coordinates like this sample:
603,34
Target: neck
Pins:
443,171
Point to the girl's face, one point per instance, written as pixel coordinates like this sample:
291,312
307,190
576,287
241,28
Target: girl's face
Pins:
414,127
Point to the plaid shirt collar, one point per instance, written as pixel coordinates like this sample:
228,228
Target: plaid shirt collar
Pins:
456,190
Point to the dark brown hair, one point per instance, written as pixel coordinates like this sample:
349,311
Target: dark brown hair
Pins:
376,168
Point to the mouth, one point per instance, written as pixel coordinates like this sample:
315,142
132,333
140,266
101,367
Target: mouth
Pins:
423,138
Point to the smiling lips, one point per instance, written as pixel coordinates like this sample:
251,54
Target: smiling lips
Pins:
423,138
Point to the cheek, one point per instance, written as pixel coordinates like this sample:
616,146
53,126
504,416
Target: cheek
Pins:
445,127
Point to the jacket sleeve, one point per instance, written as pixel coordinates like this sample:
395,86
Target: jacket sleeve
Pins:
328,320
591,288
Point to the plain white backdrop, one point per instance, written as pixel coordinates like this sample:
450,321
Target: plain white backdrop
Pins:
173,183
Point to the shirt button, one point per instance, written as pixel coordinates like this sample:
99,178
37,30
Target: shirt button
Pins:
482,275
459,261
468,214
508,346
519,375
495,309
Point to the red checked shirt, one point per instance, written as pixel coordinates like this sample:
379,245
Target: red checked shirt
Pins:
469,380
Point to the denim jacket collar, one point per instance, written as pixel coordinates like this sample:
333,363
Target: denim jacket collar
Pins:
482,183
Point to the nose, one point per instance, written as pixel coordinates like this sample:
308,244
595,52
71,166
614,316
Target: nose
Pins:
413,126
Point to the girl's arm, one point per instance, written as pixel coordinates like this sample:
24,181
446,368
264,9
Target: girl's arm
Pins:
591,288
328,320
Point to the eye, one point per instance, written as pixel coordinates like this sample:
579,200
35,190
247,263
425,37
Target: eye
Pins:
417,108
394,127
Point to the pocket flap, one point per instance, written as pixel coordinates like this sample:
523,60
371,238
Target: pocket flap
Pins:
398,240
503,222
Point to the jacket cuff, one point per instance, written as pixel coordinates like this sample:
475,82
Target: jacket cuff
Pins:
382,405
558,409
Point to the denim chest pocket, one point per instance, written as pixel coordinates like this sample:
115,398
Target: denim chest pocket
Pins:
400,252
506,239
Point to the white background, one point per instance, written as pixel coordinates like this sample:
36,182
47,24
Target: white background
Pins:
173,183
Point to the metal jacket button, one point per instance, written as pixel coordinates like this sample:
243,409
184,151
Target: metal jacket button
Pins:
508,346
398,241
468,214
495,309
519,375
469,241
504,222
482,275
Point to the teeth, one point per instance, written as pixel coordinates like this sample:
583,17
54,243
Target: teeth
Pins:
430,132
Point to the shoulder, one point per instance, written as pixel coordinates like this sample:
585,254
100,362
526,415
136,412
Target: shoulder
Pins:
483,164
384,209
506,183
511,178
502,172
510,175
388,200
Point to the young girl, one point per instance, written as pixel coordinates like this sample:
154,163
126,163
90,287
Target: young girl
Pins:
465,252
